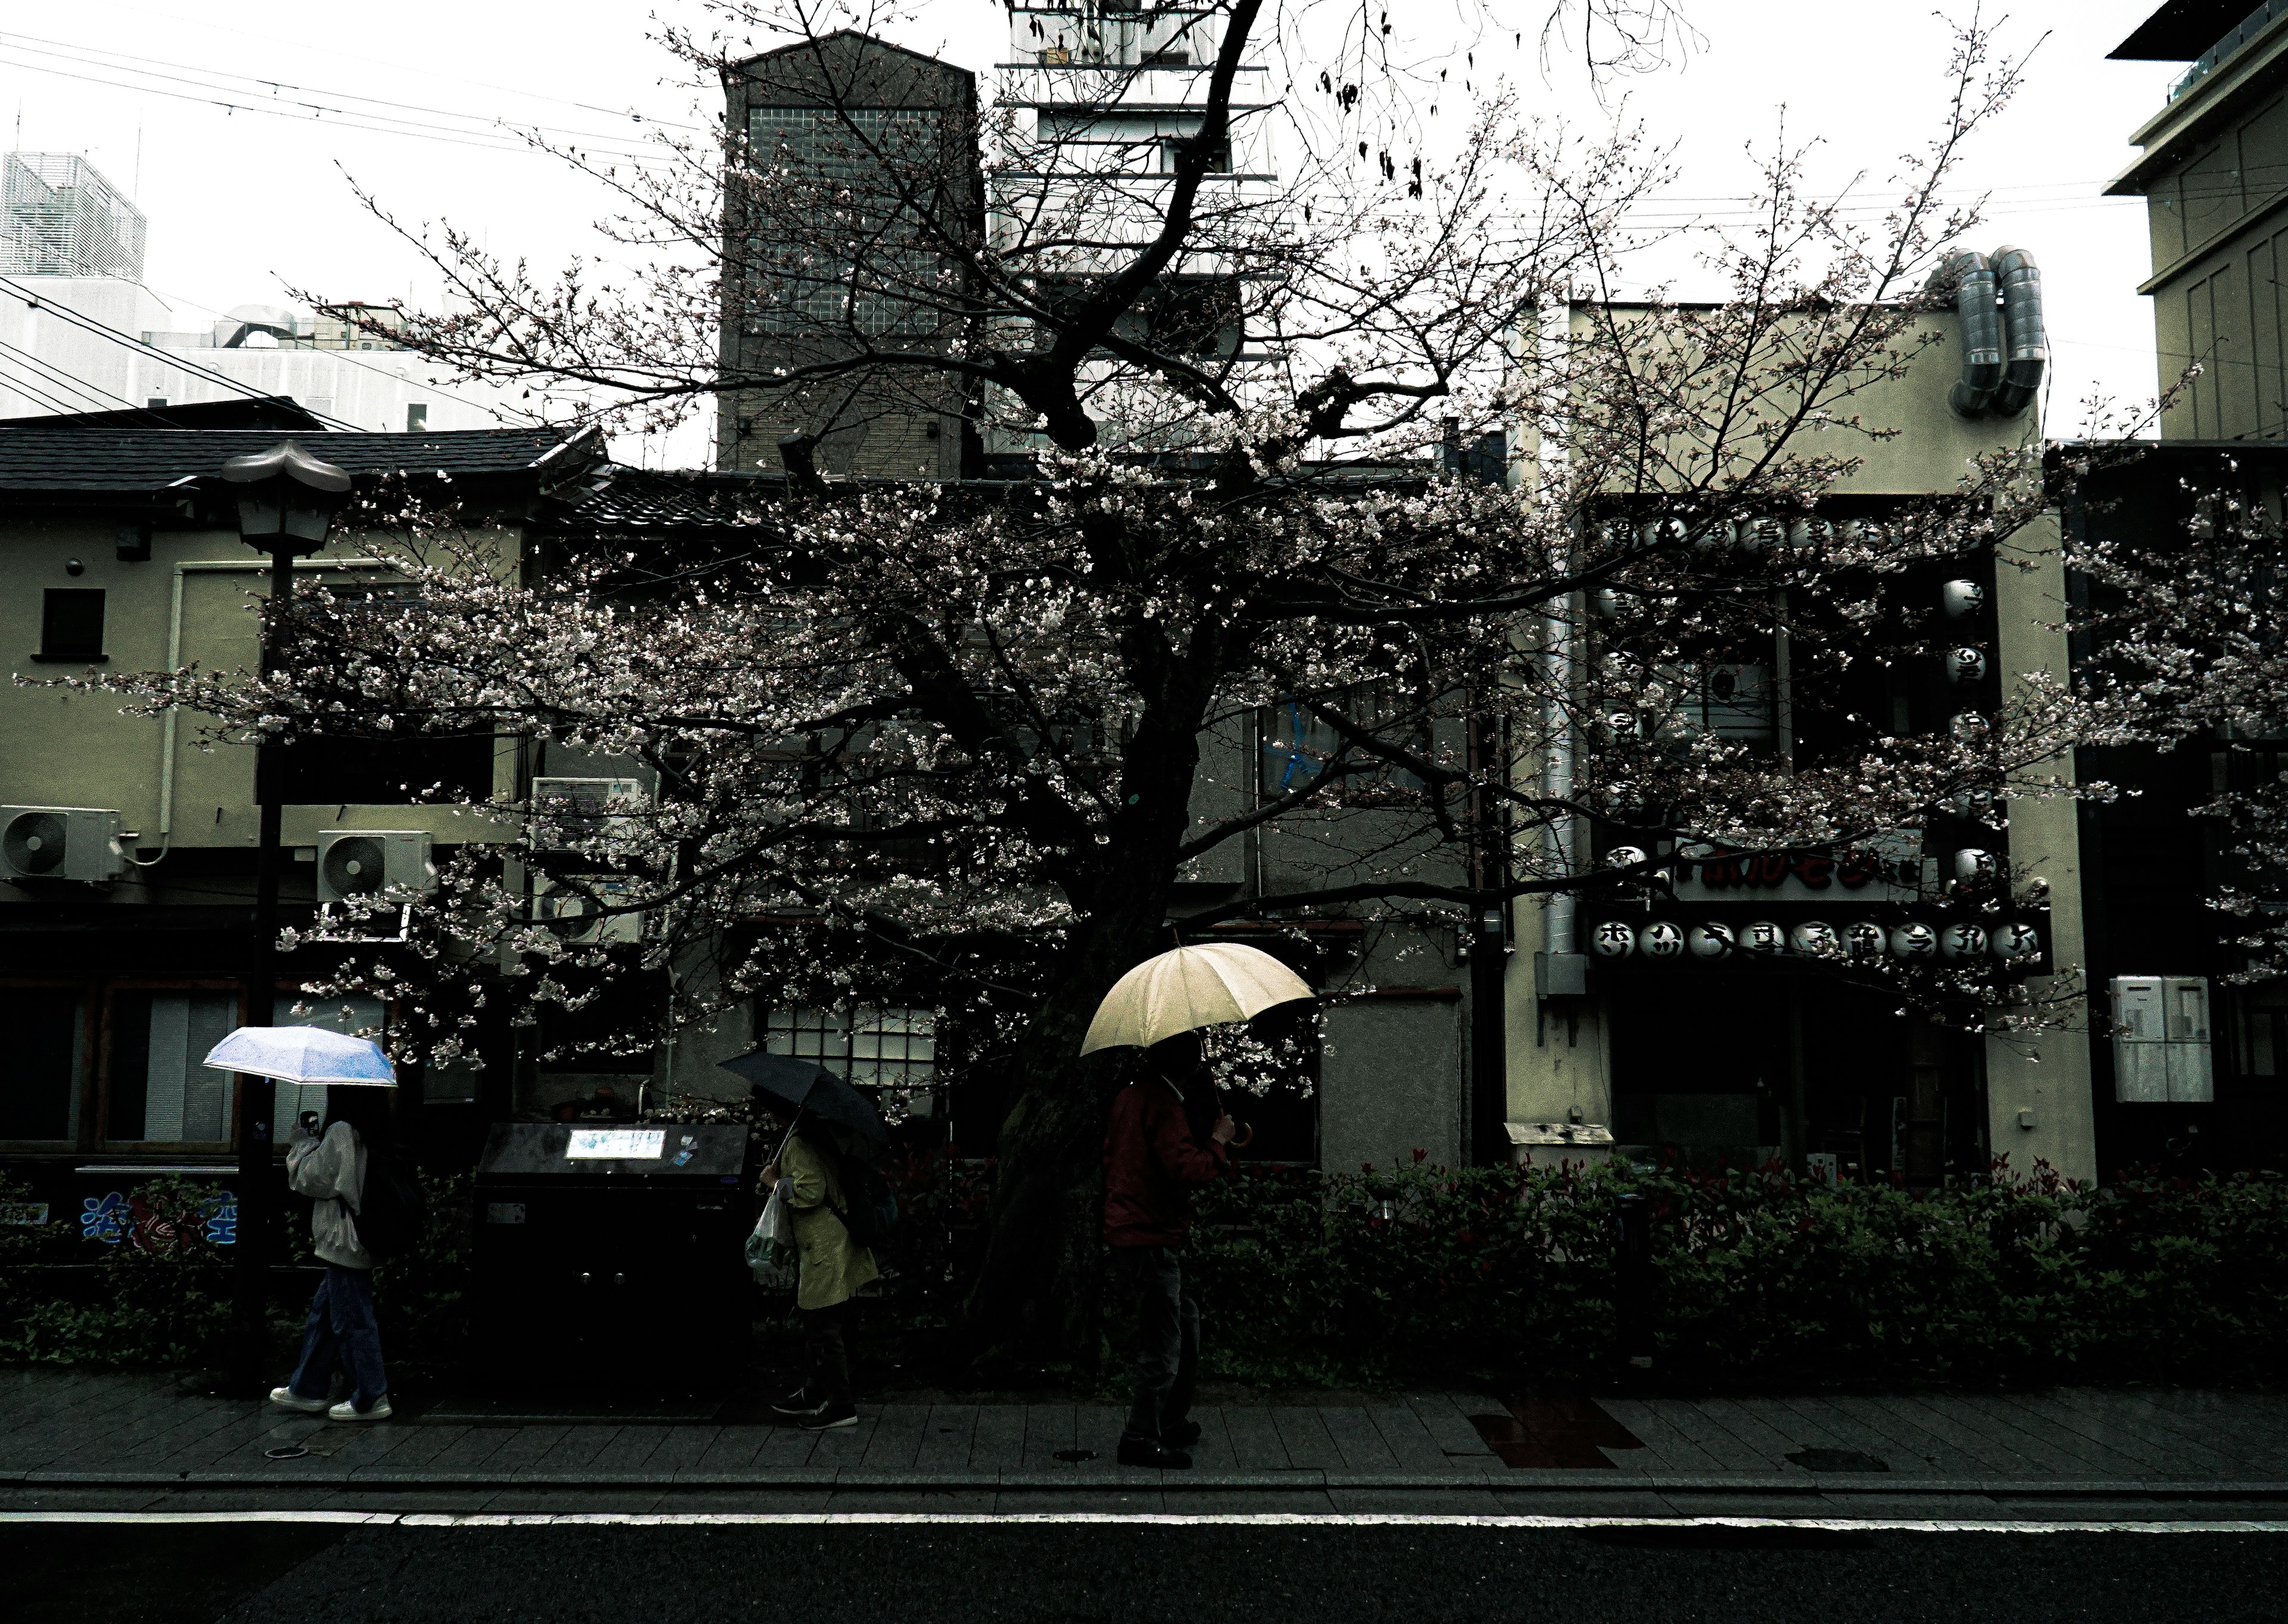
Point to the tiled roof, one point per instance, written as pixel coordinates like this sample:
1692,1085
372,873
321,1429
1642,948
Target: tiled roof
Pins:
615,497
34,458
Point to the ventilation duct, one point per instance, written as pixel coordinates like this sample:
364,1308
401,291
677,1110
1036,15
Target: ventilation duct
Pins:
2005,348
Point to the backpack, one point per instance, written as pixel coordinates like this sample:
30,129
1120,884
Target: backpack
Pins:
872,1207
392,1207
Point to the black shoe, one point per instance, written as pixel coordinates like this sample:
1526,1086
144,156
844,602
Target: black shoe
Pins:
1151,1452
1180,1434
826,1417
795,1412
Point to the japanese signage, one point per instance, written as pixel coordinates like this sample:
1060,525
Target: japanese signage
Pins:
1887,869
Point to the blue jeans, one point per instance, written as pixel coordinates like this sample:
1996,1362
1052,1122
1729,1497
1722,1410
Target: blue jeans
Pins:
341,1332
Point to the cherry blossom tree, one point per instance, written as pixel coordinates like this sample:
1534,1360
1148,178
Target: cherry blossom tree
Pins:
972,735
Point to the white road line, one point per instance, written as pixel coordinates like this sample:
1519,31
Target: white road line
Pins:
1246,1519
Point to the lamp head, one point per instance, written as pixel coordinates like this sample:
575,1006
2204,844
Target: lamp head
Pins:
287,498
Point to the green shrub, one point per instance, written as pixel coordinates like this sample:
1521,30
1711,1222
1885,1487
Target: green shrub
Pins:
1759,1278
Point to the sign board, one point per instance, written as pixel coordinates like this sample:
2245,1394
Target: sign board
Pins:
615,1144
1889,868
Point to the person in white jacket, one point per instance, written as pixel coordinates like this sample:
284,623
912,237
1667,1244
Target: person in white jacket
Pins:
341,1333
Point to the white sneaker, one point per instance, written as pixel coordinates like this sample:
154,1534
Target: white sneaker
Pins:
346,1411
287,1399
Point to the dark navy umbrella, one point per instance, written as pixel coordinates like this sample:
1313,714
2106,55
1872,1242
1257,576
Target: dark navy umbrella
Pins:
804,1087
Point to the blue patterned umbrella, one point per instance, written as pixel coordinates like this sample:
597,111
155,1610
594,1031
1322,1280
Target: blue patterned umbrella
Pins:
303,1054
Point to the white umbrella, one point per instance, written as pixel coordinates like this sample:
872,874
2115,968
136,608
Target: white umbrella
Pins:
1213,984
303,1054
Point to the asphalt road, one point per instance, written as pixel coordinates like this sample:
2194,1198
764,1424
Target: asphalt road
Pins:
266,1573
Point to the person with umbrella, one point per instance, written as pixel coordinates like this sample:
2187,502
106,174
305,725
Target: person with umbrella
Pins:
831,1124
329,1166
1154,1158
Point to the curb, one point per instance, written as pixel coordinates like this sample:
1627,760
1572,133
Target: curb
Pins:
1520,1482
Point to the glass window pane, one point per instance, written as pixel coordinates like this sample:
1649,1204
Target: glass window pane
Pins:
40,1063
164,1035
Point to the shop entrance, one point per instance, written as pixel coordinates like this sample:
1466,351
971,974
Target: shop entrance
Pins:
1749,1066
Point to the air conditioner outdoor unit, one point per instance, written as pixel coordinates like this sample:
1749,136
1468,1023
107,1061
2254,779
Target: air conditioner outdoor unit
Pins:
353,863
61,842
581,922
585,807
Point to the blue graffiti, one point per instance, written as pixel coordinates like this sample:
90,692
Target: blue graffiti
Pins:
104,1218
222,1218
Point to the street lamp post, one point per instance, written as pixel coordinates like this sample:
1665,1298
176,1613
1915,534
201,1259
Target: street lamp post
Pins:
286,504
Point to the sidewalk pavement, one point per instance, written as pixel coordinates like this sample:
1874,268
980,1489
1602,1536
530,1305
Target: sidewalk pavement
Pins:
119,1441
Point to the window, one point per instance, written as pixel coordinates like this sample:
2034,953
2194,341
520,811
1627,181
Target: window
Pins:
893,1049
161,1090
417,417
71,623
857,167
1298,745
41,1063
2263,1027
155,402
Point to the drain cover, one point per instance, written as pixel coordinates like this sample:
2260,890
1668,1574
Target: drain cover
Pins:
1838,1460
1075,1455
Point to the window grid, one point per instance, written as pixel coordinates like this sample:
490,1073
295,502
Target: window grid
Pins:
874,1047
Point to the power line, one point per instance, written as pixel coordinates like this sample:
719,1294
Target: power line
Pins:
345,121
71,51
95,392
173,358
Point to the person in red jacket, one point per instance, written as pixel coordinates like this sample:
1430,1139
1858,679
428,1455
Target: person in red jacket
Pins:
1152,1160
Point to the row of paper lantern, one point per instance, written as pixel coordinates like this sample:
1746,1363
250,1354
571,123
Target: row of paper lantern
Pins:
2008,944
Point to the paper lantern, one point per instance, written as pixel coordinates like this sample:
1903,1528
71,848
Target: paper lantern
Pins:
1762,936
1965,664
2014,944
1962,599
1816,936
1711,941
1913,941
1865,940
1612,940
1961,941
1660,940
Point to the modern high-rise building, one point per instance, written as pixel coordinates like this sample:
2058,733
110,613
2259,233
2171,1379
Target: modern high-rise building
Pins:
844,233
60,217
1100,95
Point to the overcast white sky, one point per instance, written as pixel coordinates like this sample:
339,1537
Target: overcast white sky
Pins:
244,202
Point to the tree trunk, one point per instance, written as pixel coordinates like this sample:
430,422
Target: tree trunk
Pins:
1035,1296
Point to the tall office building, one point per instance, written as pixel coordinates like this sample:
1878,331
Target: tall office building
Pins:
843,230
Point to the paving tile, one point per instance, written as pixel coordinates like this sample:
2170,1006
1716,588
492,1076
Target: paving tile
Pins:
998,1444
575,1450
1304,1432
734,1449
948,1435
80,1499
2039,1444
2156,1454
570,1501
1922,1450
1215,1451
1447,1423
896,1445
1866,1429
787,1446
844,1447
1757,1432
2189,1437
681,1447
1667,1448
1183,1501
1048,1428
1706,1427
1410,1445
1357,1440
1995,1458
474,1450
1256,1445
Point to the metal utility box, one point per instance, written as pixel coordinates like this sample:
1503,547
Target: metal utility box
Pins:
2161,1041
612,1256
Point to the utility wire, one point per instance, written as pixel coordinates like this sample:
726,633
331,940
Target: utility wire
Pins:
94,391
173,358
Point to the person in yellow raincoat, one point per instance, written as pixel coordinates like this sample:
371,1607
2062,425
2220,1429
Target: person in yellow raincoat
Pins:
830,1267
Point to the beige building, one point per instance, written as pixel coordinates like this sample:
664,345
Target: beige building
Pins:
127,843
1619,1034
